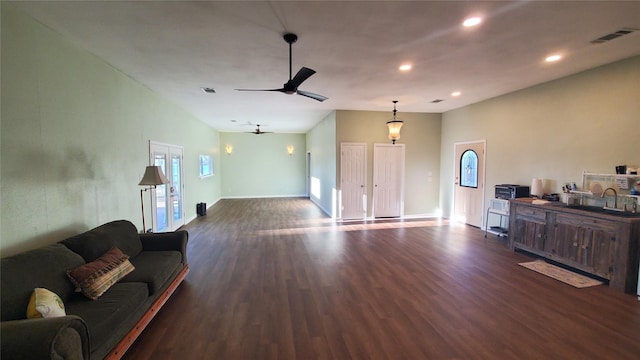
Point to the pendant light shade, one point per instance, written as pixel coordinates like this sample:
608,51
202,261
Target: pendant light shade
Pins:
394,125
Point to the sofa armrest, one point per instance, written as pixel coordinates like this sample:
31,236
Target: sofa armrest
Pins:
176,240
65,337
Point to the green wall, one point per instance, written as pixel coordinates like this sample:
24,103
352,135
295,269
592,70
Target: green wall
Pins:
321,147
586,122
74,139
420,134
260,166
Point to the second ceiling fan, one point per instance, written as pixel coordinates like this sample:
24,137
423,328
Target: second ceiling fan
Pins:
257,131
291,86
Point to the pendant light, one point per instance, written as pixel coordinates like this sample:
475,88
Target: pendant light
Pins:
394,125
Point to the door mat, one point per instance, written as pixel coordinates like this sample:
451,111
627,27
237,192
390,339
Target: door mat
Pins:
558,273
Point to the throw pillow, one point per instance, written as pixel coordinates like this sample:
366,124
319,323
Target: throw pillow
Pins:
44,304
95,278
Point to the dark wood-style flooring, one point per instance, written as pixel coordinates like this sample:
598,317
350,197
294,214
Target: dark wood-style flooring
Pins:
277,279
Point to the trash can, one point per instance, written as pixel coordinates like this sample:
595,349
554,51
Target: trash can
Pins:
201,209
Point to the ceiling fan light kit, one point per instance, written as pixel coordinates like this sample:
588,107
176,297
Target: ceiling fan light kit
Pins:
291,86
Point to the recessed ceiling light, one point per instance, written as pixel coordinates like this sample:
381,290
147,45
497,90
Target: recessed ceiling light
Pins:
405,67
456,93
472,21
552,58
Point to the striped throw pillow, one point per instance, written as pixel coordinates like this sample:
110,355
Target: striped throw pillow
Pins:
95,278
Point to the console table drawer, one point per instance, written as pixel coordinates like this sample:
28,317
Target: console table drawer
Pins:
530,212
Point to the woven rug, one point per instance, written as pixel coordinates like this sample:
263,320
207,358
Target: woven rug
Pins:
558,273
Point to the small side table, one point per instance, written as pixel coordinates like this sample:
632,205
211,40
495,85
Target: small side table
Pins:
500,208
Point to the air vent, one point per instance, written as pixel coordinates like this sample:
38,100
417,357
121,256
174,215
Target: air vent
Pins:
208,90
613,35
437,101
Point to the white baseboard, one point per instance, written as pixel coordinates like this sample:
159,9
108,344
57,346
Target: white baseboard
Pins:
405,217
264,196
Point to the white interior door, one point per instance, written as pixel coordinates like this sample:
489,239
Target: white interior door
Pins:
388,180
353,180
468,194
167,200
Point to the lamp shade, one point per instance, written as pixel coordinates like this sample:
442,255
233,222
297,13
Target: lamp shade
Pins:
536,187
394,125
153,175
394,129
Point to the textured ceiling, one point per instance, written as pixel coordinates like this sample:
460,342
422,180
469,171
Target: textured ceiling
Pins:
177,47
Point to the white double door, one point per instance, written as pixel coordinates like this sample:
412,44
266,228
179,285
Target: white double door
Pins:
167,200
388,180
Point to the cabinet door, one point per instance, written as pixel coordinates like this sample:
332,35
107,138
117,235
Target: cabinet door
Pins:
587,244
529,227
530,233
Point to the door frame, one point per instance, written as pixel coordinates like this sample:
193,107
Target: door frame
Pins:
308,175
484,179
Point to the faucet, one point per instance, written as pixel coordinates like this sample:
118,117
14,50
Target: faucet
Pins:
615,197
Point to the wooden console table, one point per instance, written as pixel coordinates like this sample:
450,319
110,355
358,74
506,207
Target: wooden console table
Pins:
602,244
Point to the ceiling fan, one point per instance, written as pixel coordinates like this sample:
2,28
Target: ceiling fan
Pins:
257,131
291,86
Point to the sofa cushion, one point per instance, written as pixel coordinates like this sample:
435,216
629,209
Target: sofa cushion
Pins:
96,277
154,268
106,315
44,267
93,243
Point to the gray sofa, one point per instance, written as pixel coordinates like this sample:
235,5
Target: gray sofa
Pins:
95,329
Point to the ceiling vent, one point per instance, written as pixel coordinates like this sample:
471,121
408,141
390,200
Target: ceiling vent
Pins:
437,101
208,90
613,35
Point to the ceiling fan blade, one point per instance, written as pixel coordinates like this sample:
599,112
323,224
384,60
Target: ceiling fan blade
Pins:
280,90
312,95
303,74
291,86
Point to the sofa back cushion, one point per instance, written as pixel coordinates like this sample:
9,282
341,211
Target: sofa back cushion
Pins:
94,243
45,267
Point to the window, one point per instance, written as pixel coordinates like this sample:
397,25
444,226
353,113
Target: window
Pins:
469,169
206,166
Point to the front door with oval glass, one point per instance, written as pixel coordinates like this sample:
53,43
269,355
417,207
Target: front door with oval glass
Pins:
469,183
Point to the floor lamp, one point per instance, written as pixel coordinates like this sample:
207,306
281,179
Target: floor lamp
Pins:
153,176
